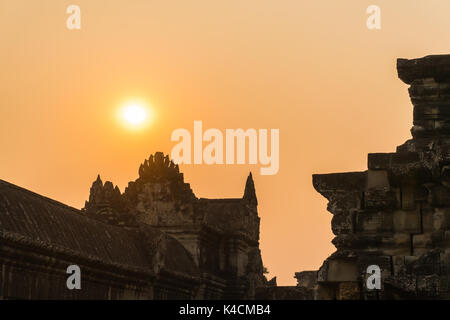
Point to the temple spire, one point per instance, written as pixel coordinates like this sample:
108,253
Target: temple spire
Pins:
98,182
249,192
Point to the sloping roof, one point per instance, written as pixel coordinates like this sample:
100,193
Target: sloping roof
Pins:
42,220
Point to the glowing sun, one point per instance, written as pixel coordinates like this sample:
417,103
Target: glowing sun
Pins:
134,114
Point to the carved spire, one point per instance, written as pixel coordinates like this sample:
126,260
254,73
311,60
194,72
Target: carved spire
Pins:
249,192
98,182
159,167
105,203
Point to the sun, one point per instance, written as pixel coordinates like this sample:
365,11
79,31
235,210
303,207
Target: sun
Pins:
134,114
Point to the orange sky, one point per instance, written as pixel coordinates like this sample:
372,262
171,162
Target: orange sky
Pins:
309,68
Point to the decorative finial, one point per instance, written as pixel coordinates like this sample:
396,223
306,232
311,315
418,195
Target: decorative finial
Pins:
249,192
97,182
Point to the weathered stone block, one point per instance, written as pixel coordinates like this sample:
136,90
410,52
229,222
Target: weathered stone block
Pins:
366,260
379,161
440,196
444,283
380,199
306,279
407,221
437,219
325,292
424,90
445,174
406,283
421,243
398,264
435,67
408,197
399,243
431,111
377,179
428,285
344,202
441,219
346,181
374,222
322,274
348,291
424,264
342,223
342,270
444,156
384,244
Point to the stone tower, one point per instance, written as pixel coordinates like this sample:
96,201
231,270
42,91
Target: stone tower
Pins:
222,235
396,215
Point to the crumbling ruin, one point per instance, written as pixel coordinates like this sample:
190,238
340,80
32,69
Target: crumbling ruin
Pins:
396,215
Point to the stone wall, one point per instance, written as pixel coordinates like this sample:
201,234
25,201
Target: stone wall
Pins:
396,215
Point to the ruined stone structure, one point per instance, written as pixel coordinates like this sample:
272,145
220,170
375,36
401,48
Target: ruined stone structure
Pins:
156,240
397,213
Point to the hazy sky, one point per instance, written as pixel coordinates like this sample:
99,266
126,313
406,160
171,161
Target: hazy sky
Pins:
309,68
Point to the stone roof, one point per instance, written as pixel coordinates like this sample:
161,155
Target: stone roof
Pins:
39,221
432,66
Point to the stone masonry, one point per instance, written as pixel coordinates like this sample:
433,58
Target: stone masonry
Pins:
396,214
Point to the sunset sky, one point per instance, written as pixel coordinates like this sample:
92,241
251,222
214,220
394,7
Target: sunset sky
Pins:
311,69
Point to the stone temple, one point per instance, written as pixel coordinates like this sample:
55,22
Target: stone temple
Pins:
157,240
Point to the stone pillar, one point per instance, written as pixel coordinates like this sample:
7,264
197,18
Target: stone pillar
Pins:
396,215
429,90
